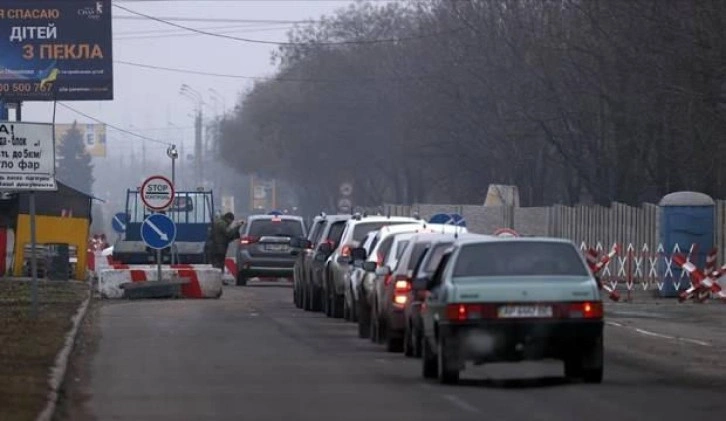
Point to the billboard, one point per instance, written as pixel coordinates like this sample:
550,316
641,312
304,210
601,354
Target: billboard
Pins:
55,50
94,137
27,157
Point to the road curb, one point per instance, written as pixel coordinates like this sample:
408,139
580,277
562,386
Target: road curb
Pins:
58,372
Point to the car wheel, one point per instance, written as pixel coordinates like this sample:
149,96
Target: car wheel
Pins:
394,344
364,328
337,307
586,365
306,298
317,299
429,363
346,311
241,278
408,342
417,343
326,302
448,369
374,327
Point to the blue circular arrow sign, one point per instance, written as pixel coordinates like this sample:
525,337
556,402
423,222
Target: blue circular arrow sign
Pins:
448,219
158,231
119,222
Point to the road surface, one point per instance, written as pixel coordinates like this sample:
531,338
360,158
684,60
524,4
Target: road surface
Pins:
253,356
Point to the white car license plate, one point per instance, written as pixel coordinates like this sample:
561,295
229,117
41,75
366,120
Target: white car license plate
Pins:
275,247
524,311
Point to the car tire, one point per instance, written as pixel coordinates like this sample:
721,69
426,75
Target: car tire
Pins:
347,316
307,299
337,308
448,372
408,342
317,299
586,365
241,278
429,363
394,344
364,328
417,343
326,303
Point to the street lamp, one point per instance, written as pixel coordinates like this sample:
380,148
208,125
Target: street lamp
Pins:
190,93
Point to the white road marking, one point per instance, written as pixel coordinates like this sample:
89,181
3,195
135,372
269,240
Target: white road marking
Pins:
462,404
660,335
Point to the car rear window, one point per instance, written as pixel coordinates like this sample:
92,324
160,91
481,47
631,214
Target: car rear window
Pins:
336,231
435,256
363,228
276,228
418,250
519,259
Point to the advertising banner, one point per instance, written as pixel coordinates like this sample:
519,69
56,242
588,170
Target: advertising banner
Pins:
27,157
94,137
55,50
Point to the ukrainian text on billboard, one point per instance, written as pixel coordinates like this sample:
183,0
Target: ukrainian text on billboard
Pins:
55,50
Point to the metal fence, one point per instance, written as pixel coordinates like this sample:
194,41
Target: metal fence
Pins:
628,226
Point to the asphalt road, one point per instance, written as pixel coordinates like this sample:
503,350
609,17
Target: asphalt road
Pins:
253,356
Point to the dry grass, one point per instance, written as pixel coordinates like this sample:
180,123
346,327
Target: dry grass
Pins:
28,346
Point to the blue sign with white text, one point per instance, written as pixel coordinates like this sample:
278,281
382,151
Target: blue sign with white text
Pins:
158,231
55,50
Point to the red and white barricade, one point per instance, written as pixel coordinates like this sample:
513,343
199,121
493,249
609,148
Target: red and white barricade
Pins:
629,268
199,281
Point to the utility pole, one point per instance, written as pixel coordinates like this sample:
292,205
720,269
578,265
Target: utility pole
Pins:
198,150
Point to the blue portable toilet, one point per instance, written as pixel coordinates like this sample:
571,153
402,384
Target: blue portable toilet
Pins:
686,218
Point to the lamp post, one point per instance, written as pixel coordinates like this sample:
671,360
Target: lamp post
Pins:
172,153
196,97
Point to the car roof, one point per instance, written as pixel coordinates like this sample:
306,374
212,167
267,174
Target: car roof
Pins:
437,237
270,217
337,217
495,239
379,218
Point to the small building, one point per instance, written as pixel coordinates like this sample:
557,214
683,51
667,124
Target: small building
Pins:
62,217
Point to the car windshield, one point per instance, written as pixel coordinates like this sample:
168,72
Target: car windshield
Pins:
275,228
363,228
531,258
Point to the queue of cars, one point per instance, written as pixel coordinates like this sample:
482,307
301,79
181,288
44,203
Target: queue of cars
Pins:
450,297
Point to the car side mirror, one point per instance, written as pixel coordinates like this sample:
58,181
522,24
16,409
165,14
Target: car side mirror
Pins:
358,253
369,266
383,271
325,248
300,243
420,283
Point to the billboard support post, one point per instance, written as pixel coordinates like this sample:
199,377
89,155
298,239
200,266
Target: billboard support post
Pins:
3,110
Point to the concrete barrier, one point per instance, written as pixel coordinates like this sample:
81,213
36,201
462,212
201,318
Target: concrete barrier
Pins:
204,281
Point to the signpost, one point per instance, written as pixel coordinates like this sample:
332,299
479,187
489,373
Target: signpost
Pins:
158,232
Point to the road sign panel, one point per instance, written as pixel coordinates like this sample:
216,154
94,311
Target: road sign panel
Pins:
119,222
157,192
346,189
448,219
158,231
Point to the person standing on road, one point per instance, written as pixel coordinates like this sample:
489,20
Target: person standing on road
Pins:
224,230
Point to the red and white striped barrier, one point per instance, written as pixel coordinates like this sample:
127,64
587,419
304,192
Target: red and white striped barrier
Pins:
597,263
644,267
702,284
204,280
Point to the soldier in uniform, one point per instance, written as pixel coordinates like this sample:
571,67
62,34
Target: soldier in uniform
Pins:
224,230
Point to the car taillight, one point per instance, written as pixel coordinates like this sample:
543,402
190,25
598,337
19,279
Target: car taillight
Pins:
463,312
401,288
585,310
248,240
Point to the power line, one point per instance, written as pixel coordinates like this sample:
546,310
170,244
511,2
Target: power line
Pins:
264,78
177,34
259,41
216,20
142,137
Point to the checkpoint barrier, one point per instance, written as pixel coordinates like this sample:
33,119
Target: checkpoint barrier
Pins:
632,268
196,281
